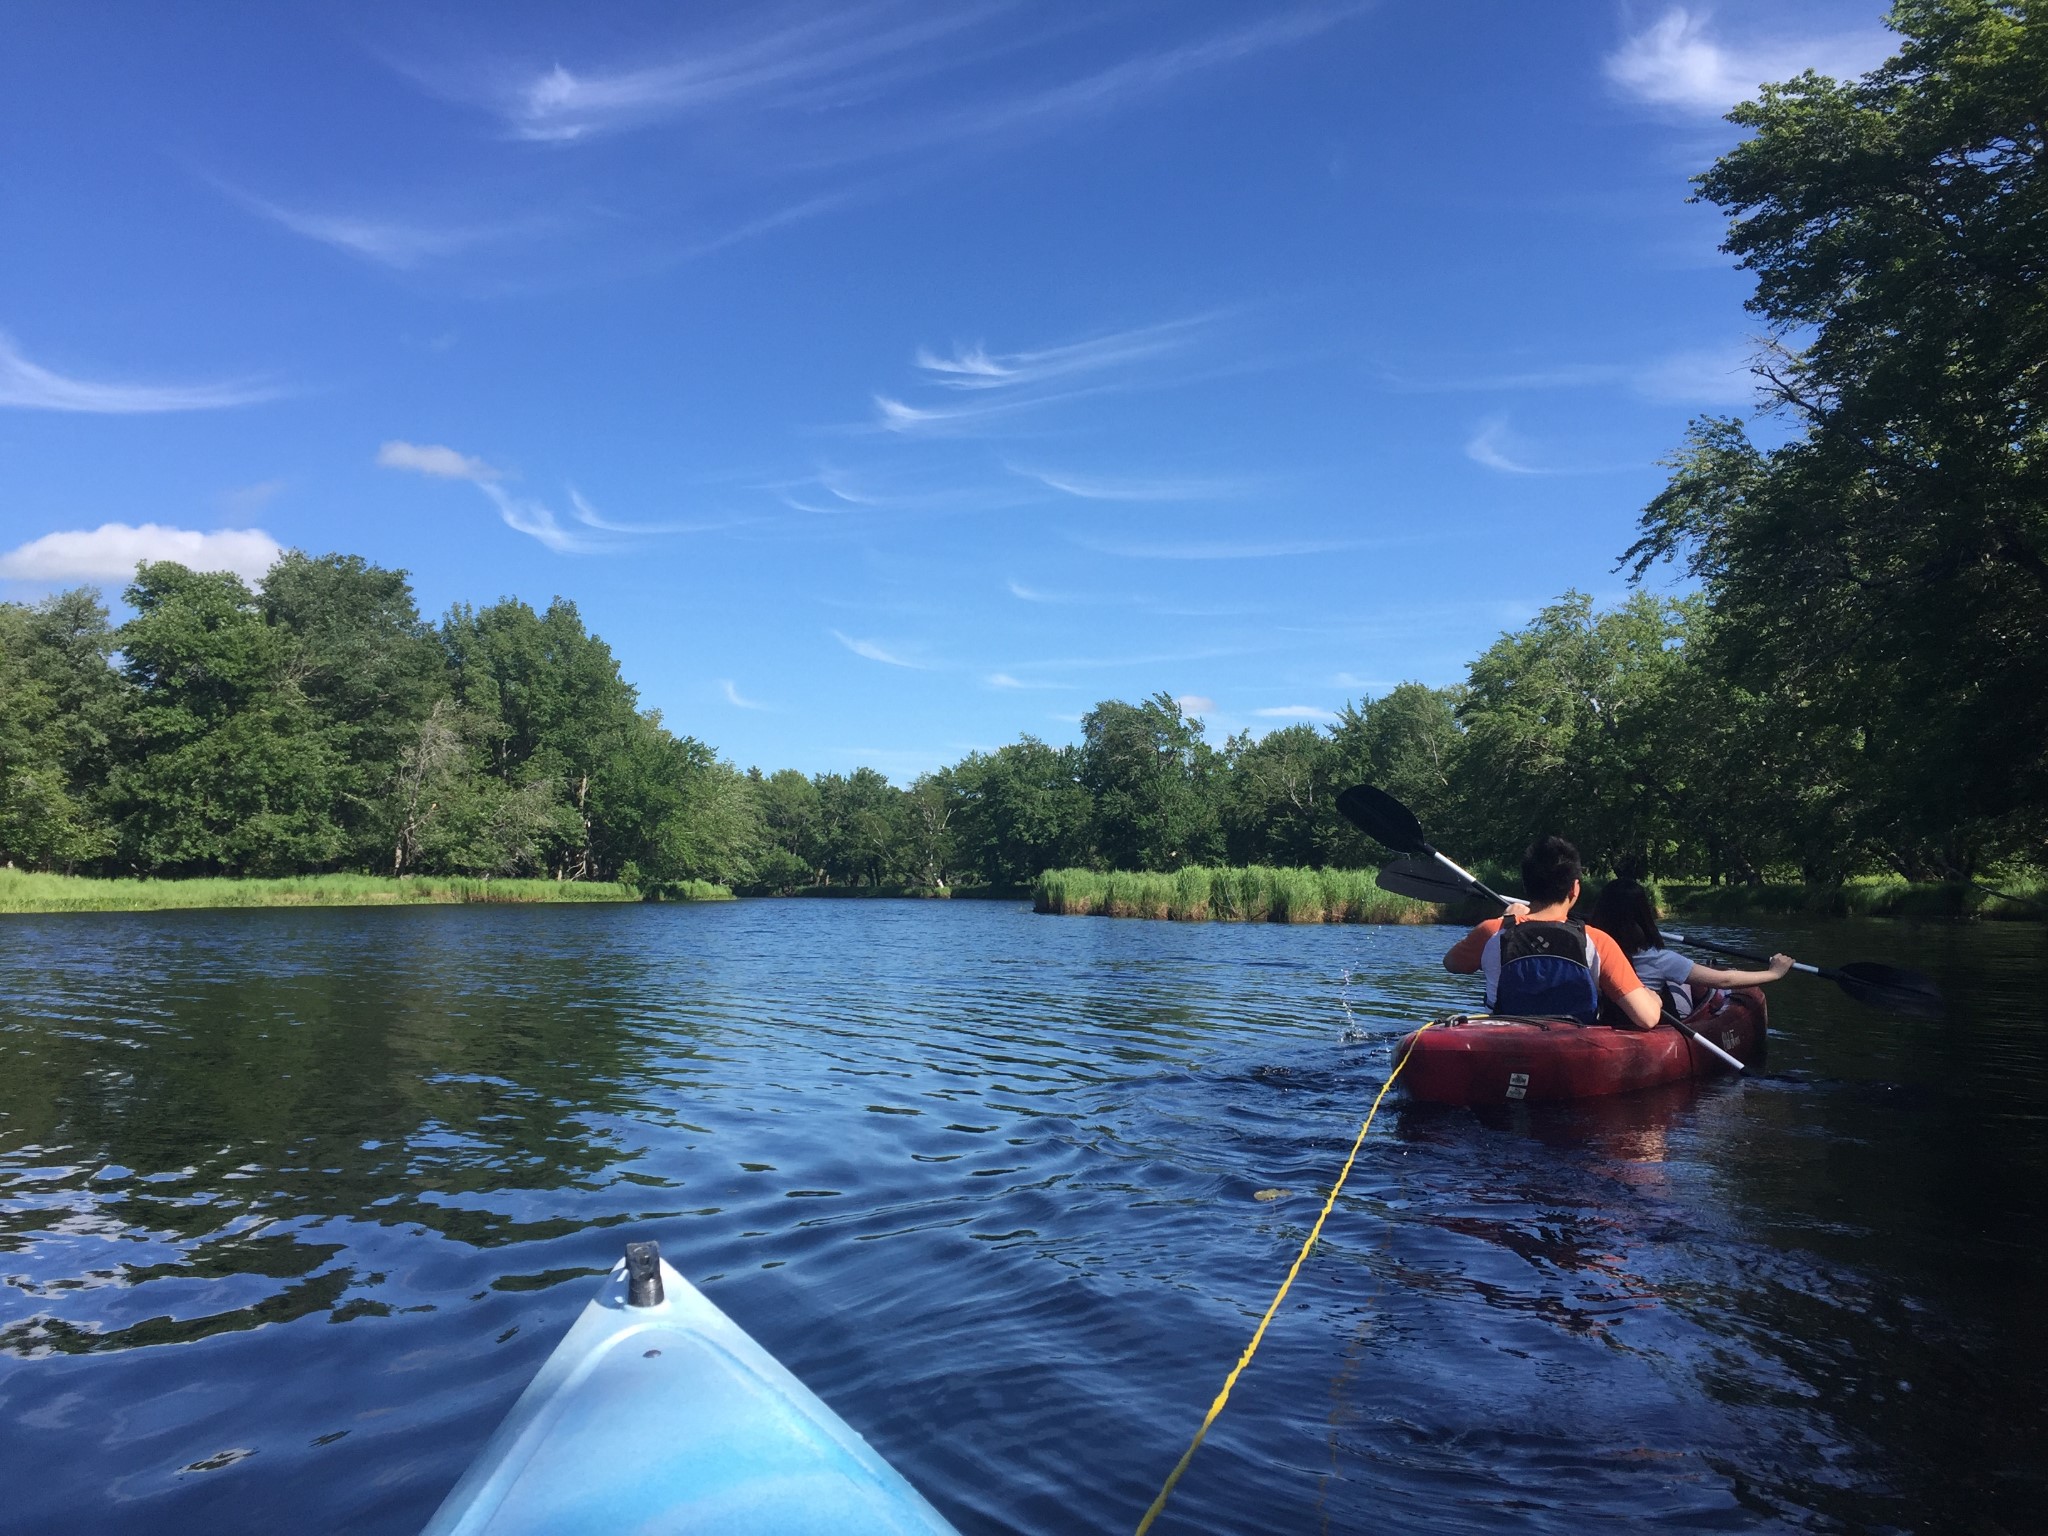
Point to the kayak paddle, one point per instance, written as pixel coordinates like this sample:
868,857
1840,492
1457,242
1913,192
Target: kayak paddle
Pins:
1380,816
1878,986
1881,986
1384,819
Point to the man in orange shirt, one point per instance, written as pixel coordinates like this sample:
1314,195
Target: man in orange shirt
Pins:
1538,962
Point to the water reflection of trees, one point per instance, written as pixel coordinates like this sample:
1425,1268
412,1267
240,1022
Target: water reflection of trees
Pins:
223,1118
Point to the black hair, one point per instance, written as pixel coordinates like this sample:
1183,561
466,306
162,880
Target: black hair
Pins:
1624,911
1549,869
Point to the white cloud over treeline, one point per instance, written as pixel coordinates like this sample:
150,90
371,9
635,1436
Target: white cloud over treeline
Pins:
111,552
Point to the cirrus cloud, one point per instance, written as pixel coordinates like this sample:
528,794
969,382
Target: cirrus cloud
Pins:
29,386
443,463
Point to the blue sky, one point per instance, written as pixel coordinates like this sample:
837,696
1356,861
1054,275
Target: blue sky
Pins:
884,382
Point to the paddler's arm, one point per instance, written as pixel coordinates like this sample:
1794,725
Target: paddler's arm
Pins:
1464,956
1643,1007
1713,976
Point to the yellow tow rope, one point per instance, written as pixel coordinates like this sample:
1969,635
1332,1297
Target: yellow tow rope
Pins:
1279,1296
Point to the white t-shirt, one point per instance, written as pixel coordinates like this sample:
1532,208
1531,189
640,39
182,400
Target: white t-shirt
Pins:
1664,969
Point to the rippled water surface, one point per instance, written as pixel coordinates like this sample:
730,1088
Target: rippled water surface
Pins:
296,1202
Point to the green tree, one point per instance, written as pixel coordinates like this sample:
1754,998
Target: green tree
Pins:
861,827
555,711
1153,781
792,830
60,709
1408,742
1022,809
224,768
1885,567
370,671
1277,798
1570,726
669,809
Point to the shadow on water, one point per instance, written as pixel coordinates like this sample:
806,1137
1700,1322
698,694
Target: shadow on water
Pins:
295,1202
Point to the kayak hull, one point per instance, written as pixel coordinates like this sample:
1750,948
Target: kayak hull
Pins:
669,1418
1480,1061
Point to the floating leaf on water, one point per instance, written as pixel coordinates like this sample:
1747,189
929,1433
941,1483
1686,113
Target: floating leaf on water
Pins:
1271,1194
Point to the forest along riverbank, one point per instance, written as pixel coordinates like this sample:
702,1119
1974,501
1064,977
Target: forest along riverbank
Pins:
23,891
294,1203
1257,894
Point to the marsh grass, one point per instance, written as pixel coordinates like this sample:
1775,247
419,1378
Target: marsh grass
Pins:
21,891
1250,894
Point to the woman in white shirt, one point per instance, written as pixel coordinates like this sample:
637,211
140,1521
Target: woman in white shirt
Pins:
1624,911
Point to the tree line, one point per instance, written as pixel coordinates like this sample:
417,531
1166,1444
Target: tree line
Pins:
1858,683
316,723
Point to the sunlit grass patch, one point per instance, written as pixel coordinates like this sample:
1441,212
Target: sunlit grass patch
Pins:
1247,894
22,891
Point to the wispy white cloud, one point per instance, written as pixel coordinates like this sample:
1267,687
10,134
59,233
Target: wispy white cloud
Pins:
533,518
590,517
1004,680
734,698
1490,446
538,521
1498,447
874,652
397,243
1008,384
793,60
1123,84
1217,549
1707,376
1295,712
29,386
975,368
433,459
1700,375
1196,704
1032,594
111,552
839,492
1136,487
1677,62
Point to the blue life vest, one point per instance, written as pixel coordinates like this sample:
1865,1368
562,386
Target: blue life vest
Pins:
1546,971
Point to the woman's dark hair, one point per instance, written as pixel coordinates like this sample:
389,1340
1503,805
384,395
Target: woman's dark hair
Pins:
1548,870
1624,911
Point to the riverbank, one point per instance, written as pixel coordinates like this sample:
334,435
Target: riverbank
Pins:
22,892
1257,894
1253,894
2018,900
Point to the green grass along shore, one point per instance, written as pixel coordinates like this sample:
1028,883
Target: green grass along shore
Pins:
1253,894
22,891
1257,894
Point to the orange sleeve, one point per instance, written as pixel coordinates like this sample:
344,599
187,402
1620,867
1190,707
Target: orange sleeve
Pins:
1464,955
1617,977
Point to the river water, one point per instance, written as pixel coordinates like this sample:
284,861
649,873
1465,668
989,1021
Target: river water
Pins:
297,1201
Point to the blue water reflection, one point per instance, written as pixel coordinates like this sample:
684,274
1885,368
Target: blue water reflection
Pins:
295,1202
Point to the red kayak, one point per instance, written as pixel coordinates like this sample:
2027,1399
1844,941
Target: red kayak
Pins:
1535,1061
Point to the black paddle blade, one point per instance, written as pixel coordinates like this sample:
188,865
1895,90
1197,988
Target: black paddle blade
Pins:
1886,986
1382,818
1424,880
